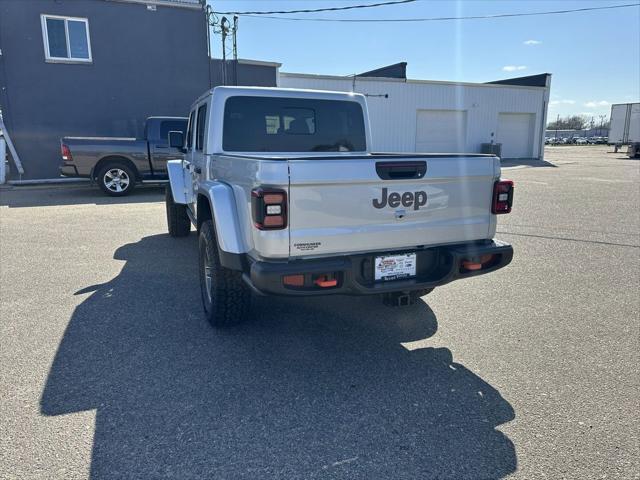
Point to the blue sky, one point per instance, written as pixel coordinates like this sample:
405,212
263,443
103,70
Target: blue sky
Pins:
593,56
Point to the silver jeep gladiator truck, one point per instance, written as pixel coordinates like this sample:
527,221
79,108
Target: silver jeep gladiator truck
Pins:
288,199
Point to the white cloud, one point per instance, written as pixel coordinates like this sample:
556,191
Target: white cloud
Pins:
514,68
594,104
532,42
565,102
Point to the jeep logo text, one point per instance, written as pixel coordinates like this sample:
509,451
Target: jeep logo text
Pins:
406,199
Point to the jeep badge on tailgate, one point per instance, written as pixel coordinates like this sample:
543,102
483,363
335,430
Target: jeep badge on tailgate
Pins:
395,199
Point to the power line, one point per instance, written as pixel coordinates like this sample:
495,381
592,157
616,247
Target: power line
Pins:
328,9
436,19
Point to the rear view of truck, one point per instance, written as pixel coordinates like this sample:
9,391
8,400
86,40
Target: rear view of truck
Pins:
289,200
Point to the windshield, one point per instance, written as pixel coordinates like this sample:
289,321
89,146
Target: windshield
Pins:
292,125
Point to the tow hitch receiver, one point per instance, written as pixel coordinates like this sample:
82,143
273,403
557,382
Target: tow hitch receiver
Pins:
399,299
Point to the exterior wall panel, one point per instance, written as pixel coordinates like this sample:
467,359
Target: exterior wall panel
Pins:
144,63
393,119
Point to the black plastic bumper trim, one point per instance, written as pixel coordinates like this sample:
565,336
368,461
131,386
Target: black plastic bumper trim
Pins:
266,277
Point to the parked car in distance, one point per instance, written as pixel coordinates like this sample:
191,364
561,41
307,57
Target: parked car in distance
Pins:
581,141
117,164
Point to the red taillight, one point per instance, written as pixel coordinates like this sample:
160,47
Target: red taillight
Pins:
502,197
66,153
269,208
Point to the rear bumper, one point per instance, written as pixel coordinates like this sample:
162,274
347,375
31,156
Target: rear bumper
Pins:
355,273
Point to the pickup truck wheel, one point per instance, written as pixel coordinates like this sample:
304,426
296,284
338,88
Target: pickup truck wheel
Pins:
116,179
225,297
177,218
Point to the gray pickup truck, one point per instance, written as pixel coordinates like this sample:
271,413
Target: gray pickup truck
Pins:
117,164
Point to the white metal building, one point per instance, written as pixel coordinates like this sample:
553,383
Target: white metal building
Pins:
446,117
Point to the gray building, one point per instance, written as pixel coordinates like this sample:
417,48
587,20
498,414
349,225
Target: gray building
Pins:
100,67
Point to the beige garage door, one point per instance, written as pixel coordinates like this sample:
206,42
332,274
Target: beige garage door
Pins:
441,131
515,133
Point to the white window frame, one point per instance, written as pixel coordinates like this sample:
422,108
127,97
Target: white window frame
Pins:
45,39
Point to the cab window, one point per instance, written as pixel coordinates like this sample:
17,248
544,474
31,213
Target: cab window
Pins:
192,119
202,115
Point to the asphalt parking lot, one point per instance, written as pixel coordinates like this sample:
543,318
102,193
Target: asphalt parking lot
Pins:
108,369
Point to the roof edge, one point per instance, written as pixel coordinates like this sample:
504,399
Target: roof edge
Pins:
262,63
409,80
537,80
192,4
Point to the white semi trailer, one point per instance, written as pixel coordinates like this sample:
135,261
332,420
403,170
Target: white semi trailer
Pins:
625,127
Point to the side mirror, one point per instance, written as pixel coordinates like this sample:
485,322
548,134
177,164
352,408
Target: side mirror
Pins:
176,140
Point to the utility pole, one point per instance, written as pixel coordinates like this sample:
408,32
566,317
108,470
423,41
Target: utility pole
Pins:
557,122
234,37
234,32
225,28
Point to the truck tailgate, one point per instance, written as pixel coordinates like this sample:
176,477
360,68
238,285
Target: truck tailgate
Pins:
391,202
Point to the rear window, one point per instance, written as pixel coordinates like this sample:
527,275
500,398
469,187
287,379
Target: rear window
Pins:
167,126
265,124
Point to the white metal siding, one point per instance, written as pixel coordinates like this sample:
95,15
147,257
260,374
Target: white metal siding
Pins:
442,131
394,119
515,134
625,123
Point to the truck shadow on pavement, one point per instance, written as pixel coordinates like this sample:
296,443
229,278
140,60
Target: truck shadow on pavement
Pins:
66,195
311,388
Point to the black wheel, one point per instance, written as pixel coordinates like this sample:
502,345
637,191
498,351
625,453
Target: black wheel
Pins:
225,297
177,218
116,179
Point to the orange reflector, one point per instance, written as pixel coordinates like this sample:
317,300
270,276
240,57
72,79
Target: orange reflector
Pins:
471,266
324,282
474,266
293,280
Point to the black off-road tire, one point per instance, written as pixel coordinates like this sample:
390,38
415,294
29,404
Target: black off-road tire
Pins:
177,218
225,297
115,166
